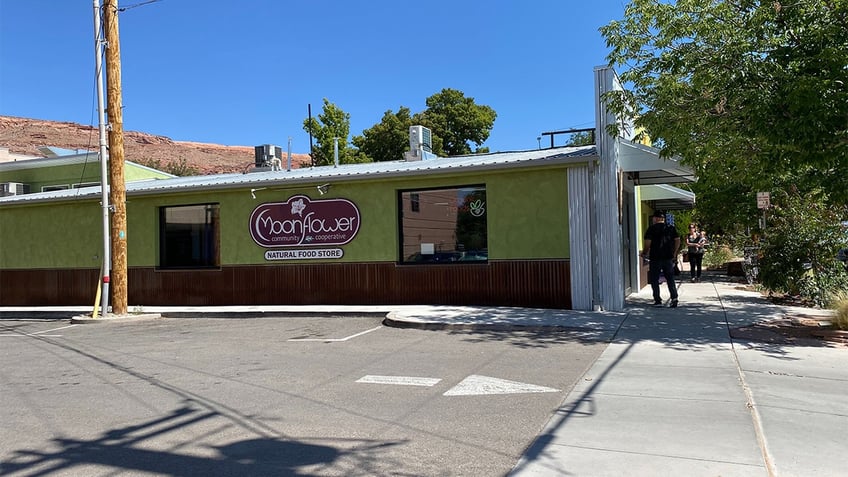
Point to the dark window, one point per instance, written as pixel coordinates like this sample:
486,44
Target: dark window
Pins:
449,225
53,187
189,236
84,184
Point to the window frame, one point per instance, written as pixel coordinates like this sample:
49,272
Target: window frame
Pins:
83,185
421,192
210,225
54,187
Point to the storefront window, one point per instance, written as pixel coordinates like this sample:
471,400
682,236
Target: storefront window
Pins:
189,236
444,225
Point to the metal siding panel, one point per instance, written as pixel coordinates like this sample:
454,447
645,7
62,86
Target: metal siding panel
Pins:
579,237
528,283
42,287
610,264
611,277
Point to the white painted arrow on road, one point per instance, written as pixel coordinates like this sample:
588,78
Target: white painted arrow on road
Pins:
398,380
475,385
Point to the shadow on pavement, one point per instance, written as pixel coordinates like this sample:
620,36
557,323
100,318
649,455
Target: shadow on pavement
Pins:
132,448
40,315
704,323
535,337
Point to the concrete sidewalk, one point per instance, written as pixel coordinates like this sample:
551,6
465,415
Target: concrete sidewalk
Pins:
673,394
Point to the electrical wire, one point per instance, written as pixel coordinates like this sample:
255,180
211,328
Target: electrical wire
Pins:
137,5
94,109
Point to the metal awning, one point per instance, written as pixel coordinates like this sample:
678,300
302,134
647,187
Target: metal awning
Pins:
666,197
645,166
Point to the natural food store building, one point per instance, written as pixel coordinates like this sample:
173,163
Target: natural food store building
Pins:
553,228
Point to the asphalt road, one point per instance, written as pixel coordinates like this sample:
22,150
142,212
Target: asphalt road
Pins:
276,396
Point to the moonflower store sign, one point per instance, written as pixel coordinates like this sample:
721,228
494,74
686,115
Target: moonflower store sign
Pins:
301,222
304,254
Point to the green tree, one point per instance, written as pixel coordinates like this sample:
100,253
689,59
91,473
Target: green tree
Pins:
178,167
457,121
332,123
799,248
454,121
581,138
471,221
753,95
388,139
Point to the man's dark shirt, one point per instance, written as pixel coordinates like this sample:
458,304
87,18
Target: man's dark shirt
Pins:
662,238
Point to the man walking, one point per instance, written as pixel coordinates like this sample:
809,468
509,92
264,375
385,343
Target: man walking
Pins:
661,245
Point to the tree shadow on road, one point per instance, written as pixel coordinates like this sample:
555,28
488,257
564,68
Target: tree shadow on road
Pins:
154,447
535,337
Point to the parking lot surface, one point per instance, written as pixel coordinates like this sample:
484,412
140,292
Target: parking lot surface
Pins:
277,396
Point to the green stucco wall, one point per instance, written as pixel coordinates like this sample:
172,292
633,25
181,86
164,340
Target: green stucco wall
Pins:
63,235
527,214
133,172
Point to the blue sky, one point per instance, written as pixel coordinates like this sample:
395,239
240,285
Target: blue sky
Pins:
241,72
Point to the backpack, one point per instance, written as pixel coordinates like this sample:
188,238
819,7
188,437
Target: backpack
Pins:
665,245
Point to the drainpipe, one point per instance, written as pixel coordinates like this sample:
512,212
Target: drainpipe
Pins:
104,172
288,156
335,152
600,126
597,303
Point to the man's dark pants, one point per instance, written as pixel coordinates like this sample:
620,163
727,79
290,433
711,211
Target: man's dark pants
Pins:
666,266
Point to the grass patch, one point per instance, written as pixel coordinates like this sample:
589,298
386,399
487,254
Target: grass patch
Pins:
840,307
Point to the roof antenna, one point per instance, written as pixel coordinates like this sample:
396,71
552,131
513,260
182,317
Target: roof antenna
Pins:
311,149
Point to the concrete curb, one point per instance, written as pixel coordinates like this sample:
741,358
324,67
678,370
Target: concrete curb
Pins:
271,314
399,321
88,320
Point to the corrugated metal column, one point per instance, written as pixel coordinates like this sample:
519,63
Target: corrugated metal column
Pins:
607,202
579,238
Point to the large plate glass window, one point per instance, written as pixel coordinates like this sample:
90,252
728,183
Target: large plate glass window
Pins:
189,236
444,225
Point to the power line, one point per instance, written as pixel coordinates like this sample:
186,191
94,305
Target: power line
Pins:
137,5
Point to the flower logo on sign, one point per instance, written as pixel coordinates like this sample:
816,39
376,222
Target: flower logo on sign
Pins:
298,207
478,208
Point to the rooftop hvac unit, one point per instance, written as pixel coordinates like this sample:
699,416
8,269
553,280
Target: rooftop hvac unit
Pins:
420,138
266,153
13,188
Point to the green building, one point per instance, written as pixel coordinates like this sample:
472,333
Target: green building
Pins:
557,228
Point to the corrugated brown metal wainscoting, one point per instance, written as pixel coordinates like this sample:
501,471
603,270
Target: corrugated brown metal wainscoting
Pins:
48,287
528,283
536,283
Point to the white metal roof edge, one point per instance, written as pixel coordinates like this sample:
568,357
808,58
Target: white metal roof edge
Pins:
648,149
641,158
367,171
665,191
668,197
349,172
40,162
71,159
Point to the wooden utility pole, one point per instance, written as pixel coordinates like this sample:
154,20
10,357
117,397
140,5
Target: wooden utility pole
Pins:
117,189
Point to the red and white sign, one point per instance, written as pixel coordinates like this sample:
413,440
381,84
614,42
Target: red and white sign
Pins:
301,221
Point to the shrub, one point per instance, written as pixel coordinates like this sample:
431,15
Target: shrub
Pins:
717,255
178,167
798,250
840,306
